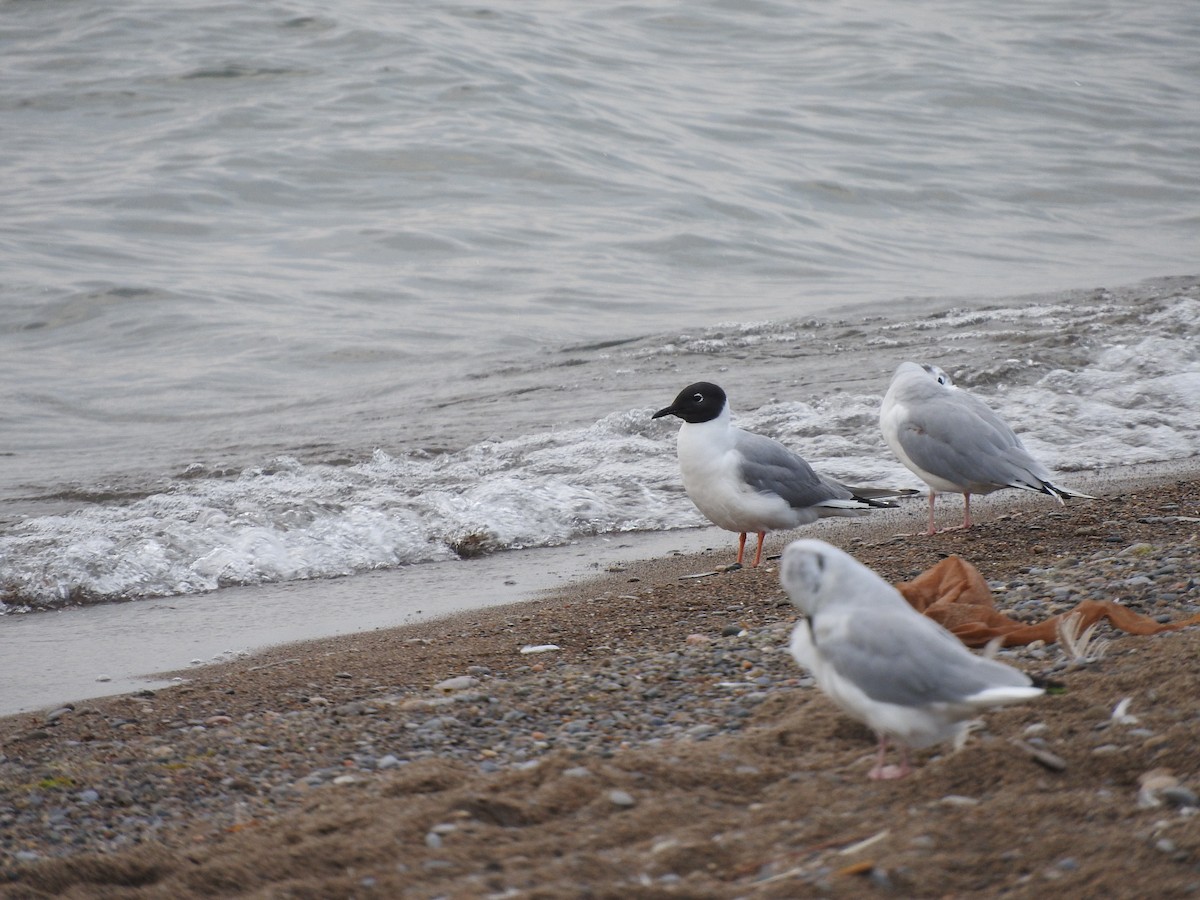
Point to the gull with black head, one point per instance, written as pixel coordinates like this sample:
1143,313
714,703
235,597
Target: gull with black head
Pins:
746,482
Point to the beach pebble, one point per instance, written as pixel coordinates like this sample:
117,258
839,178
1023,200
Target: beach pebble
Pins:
958,800
1151,786
460,683
618,797
1180,796
388,761
103,678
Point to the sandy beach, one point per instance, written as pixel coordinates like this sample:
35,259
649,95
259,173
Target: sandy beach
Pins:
668,747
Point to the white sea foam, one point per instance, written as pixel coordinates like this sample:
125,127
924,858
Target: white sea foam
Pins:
1125,389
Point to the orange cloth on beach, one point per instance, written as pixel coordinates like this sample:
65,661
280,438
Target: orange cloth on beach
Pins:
955,595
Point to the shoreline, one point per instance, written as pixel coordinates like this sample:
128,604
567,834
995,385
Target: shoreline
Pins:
669,748
118,649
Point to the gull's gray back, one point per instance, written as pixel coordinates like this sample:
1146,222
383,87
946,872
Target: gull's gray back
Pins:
769,466
898,656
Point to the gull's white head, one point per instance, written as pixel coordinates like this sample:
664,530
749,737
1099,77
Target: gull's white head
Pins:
816,575
809,572
938,374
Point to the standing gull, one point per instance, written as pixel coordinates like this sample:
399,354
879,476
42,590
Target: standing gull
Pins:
747,482
954,442
881,661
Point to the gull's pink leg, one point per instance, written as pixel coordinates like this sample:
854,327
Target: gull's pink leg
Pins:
889,773
966,511
932,527
741,547
758,556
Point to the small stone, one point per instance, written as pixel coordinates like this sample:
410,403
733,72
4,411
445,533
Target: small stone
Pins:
433,840
618,797
577,772
103,678
318,701
88,797
1051,761
218,720
958,800
1152,785
1181,797
461,683
389,761
1166,845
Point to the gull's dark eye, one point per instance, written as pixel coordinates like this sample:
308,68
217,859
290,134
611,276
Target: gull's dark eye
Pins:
941,379
699,398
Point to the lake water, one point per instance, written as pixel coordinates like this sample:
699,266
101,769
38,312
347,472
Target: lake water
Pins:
291,292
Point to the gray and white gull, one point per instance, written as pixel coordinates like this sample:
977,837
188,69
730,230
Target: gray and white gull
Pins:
954,442
746,482
908,678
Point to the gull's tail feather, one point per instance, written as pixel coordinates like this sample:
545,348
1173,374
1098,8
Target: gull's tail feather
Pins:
879,497
1057,491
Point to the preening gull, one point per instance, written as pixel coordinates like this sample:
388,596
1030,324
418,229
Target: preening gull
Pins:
746,482
881,661
954,442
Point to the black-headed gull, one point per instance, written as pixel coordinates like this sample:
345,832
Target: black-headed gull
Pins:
953,442
745,482
904,675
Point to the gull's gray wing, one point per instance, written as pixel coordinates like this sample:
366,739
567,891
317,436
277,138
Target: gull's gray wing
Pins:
951,434
898,656
770,467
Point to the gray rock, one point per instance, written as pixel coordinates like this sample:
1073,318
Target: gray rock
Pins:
1180,796
618,797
